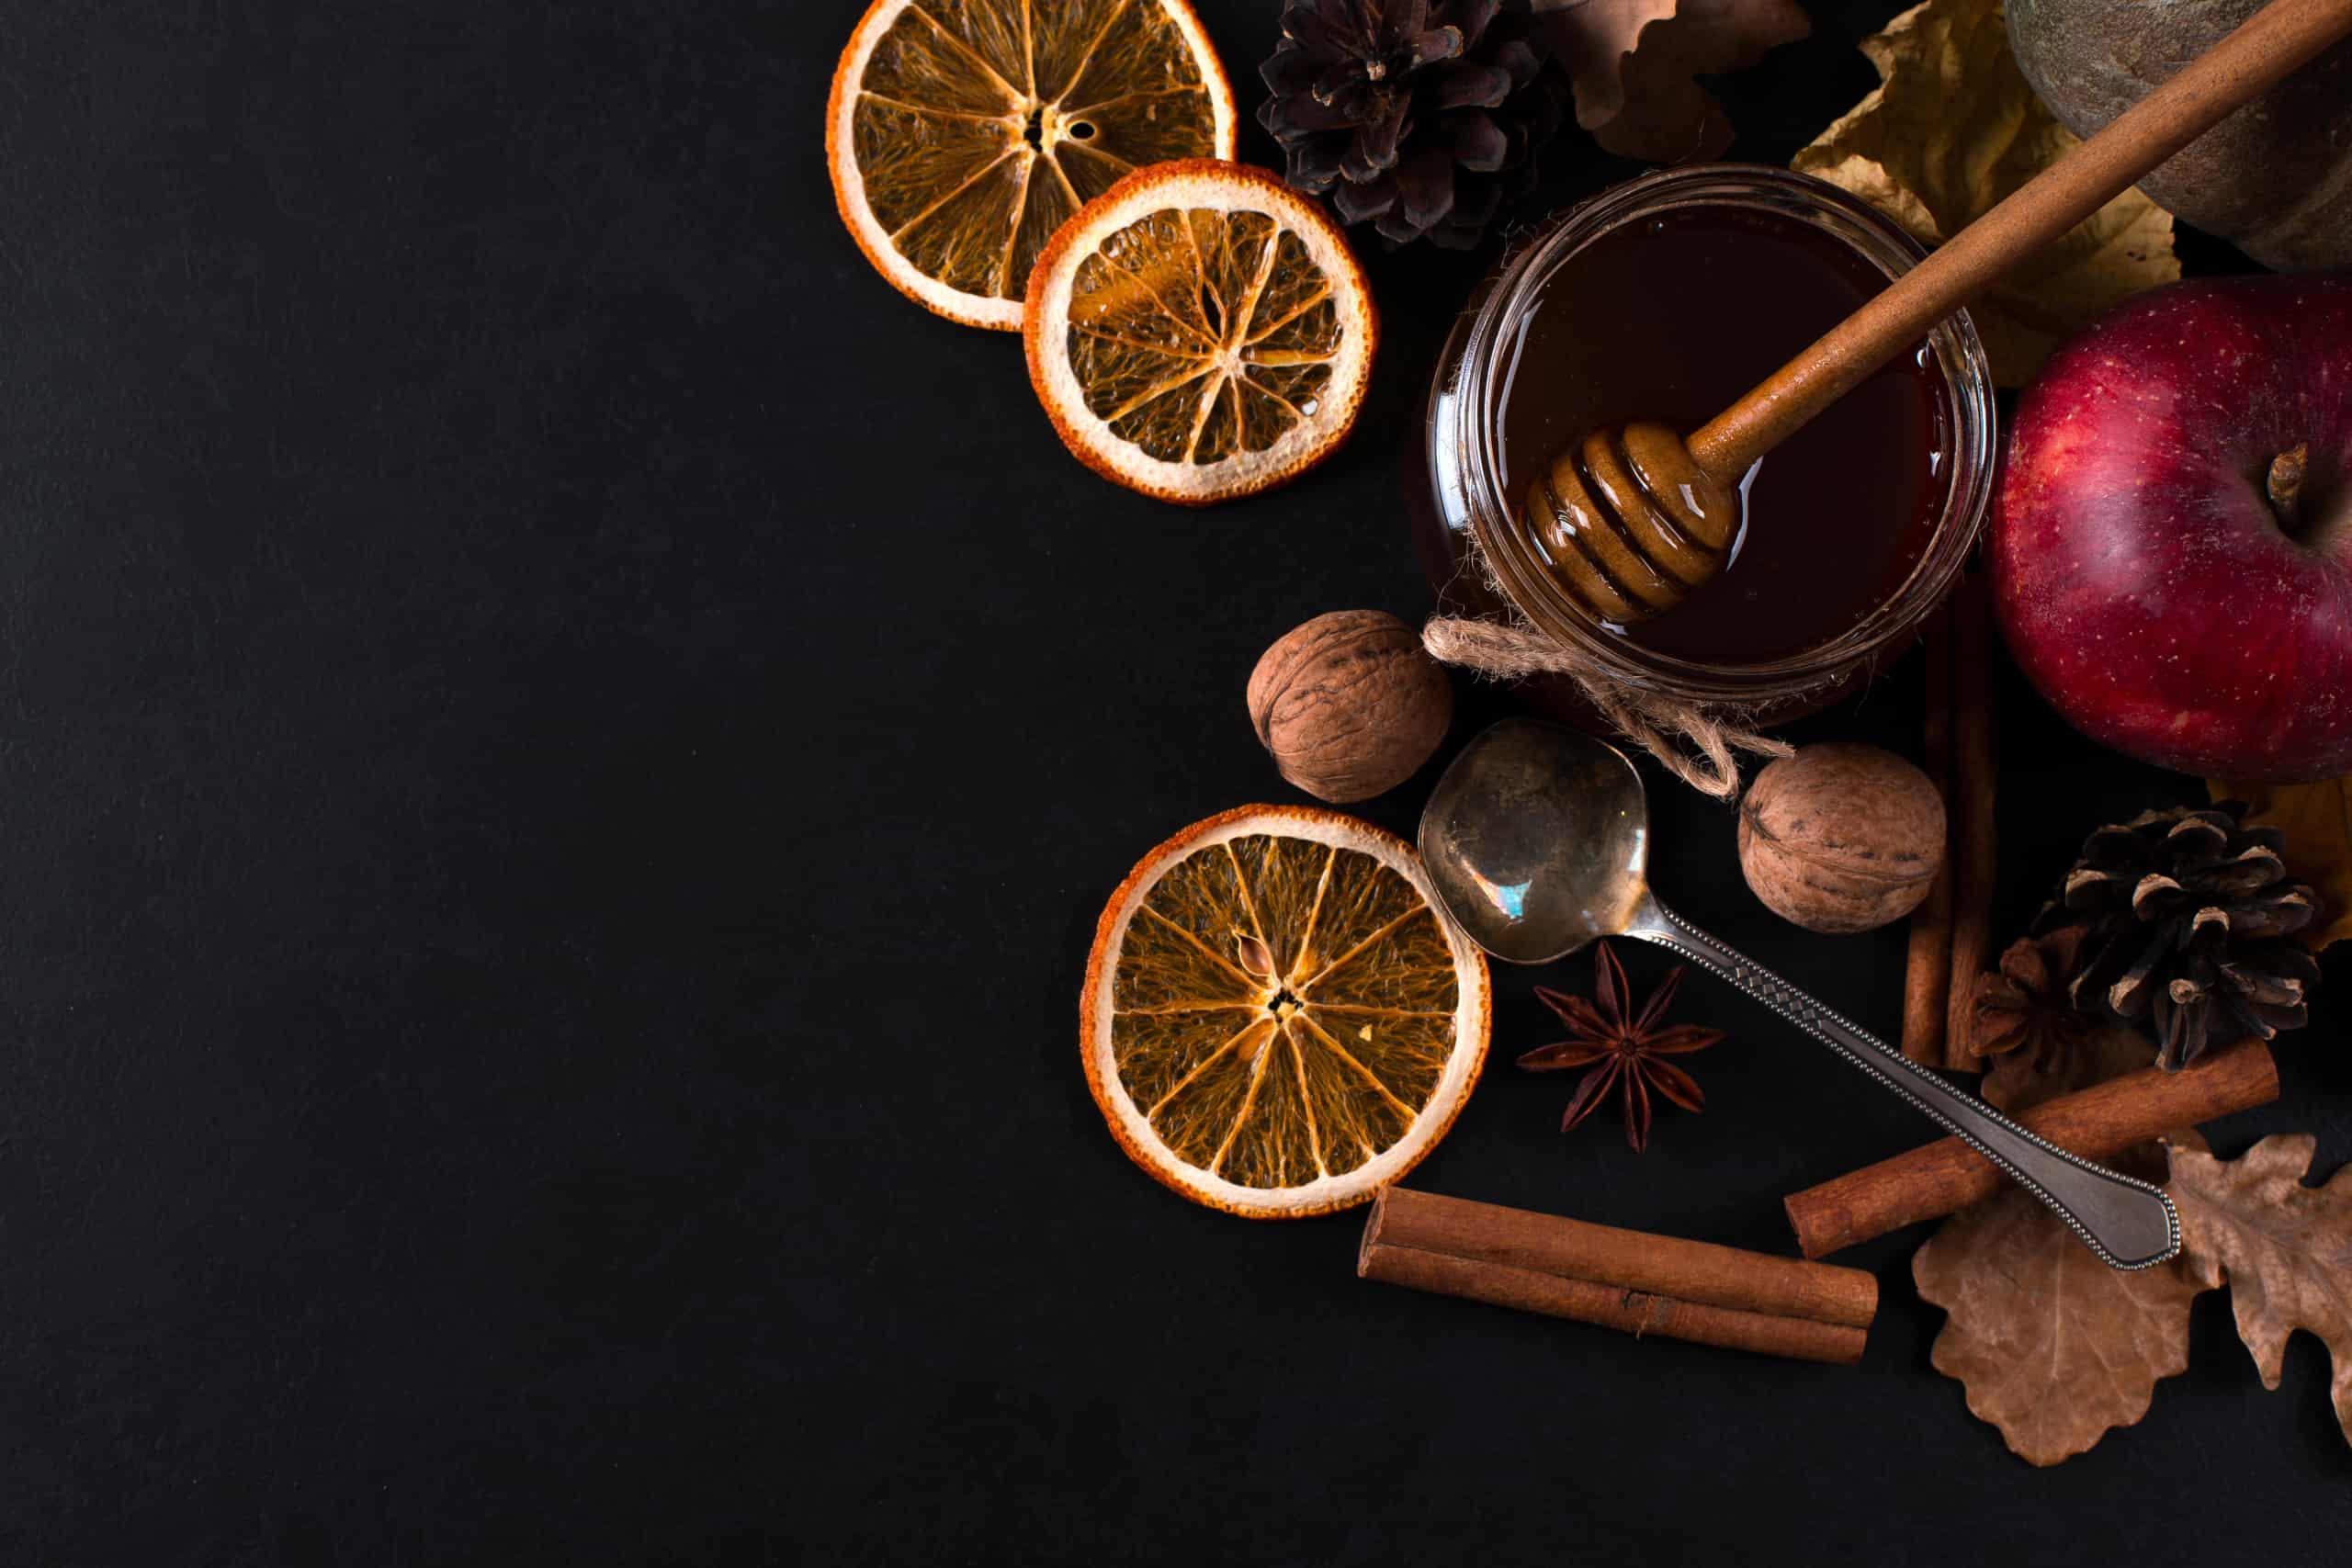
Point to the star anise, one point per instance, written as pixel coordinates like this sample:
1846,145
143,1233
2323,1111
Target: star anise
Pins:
1618,1047
2025,1005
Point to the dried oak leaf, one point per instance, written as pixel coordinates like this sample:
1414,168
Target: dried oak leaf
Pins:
2317,821
2053,1345
1633,64
1952,129
2285,1248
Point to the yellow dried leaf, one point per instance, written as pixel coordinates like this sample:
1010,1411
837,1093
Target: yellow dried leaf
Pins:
1951,129
2317,821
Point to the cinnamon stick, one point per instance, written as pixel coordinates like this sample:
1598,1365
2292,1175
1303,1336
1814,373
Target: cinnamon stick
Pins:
1926,976
1975,770
1945,1176
1619,1279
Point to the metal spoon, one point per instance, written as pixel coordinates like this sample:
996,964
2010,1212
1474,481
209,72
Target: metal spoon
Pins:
1537,839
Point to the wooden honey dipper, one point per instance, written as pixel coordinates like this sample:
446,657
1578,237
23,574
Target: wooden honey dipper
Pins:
1635,519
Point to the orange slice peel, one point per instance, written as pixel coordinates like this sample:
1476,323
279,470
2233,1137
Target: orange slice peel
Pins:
961,134
1277,1020
1200,331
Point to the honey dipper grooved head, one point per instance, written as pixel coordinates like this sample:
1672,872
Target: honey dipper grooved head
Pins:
1630,521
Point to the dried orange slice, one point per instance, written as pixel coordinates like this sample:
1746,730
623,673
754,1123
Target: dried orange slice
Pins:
1276,1019
961,134
1200,331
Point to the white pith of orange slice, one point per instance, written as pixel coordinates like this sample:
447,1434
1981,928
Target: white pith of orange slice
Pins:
1298,1076
961,134
1200,331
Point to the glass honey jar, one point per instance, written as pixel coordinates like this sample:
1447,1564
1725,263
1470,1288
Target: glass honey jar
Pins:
1666,298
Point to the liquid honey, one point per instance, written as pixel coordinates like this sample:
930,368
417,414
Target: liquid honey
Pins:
1671,317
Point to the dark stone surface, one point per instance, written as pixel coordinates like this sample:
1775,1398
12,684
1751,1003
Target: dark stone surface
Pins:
562,744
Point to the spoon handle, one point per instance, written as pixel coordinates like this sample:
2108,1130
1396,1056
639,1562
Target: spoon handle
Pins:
2129,1223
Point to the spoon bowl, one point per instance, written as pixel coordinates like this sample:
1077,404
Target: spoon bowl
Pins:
1537,839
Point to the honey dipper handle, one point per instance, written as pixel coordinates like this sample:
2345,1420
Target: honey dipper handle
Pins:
2266,47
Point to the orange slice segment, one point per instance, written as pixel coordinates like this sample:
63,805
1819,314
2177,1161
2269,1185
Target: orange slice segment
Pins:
962,134
1276,1020
1200,331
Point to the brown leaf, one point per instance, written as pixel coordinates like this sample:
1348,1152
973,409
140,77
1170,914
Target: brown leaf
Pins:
2053,1345
2285,1248
1951,129
1632,63
2317,821
1591,39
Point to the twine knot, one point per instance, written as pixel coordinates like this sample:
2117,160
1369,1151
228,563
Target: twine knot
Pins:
1668,728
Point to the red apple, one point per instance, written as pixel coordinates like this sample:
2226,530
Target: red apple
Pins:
2162,575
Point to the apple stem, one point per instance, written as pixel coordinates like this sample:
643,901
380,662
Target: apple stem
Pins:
2284,484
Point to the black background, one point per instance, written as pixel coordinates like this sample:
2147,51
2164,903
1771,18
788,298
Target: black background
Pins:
560,745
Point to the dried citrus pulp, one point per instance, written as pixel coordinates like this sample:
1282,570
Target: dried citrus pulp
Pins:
1200,331
962,134
1276,1020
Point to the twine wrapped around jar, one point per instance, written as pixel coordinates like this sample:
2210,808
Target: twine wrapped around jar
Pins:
1666,728
1669,728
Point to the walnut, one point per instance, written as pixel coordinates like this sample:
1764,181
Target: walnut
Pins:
1841,837
1349,704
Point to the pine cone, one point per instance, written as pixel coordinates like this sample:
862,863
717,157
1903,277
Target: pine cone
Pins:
1421,118
2187,911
